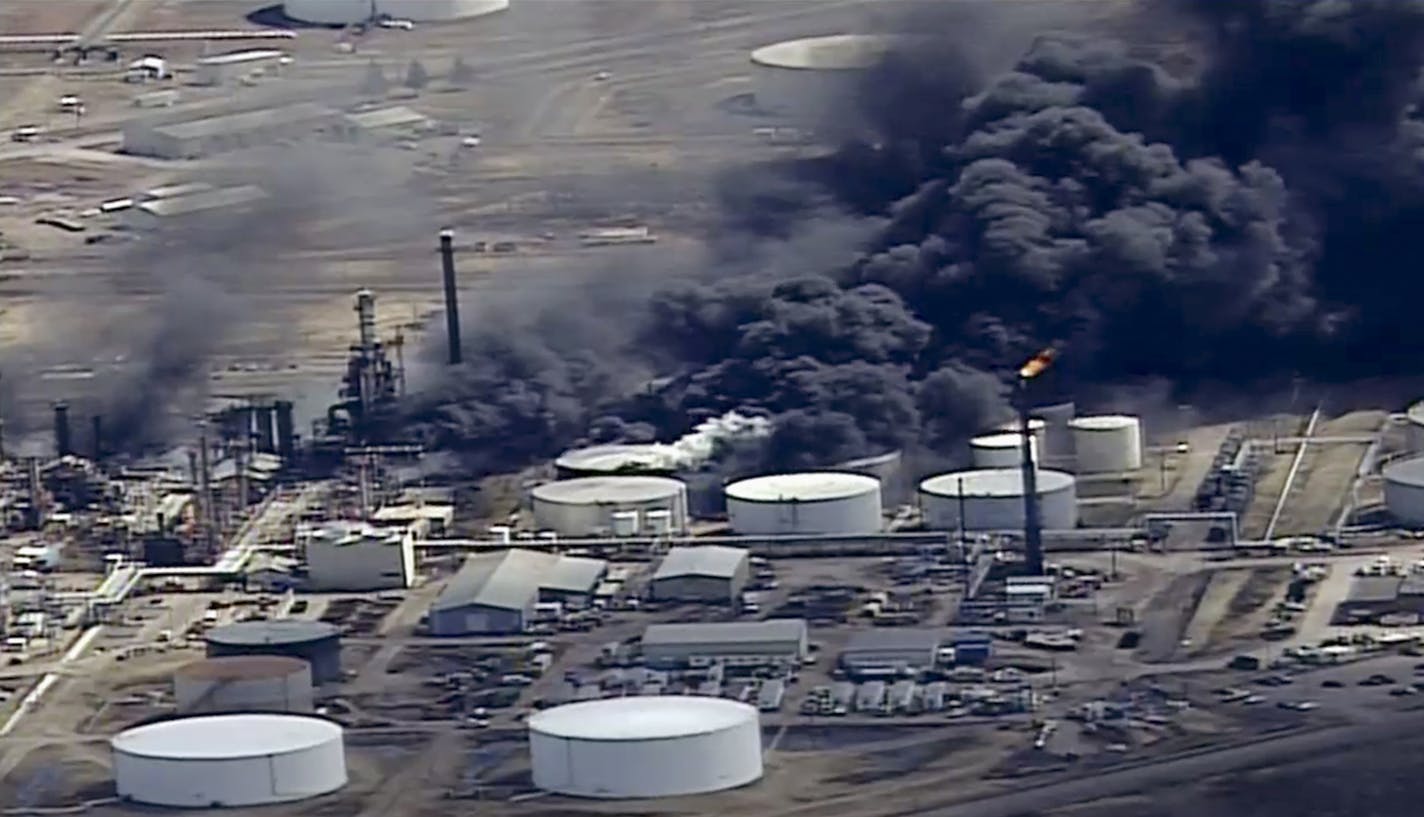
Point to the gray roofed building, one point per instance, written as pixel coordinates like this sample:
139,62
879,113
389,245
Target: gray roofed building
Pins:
201,201
496,592
892,650
702,573
777,640
198,137
1373,589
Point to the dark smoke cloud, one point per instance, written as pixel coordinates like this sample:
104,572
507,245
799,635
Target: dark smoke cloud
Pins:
1252,213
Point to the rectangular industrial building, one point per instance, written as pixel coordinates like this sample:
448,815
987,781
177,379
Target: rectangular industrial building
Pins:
775,640
355,558
713,573
203,201
889,651
383,122
218,69
496,592
201,137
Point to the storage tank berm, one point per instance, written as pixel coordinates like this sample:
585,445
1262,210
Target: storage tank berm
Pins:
217,761
596,506
316,642
1002,450
1107,444
349,12
993,500
244,683
1404,491
645,746
1414,419
823,502
796,77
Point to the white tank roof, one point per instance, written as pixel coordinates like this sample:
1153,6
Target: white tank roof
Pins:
642,718
1006,439
1406,472
815,486
993,482
839,52
599,490
223,737
1103,422
615,457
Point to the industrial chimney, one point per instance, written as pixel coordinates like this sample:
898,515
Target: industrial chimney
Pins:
266,440
286,433
62,441
452,297
98,437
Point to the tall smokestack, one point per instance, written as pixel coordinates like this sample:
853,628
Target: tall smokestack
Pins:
286,433
266,441
62,443
1033,525
366,319
98,423
452,297
206,507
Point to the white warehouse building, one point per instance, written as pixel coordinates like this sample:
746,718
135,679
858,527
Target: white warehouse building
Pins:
355,557
348,12
1404,491
219,69
773,641
614,505
646,746
497,592
822,502
993,500
1107,444
229,760
703,573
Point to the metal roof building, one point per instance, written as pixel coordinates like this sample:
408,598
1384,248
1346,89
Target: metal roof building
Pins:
775,640
370,123
203,200
496,592
884,650
702,573
200,137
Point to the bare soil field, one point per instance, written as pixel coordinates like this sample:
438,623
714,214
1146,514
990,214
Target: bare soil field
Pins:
20,17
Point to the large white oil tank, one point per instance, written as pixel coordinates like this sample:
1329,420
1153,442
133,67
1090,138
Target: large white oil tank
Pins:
229,760
823,502
347,12
1404,491
993,500
1002,450
1107,444
1414,419
641,747
796,77
244,683
587,506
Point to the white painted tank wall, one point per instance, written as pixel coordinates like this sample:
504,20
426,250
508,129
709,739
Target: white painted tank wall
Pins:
853,513
1107,445
292,693
1414,419
1001,450
1058,437
998,509
1404,491
597,516
1037,427
247,781
664,767
795,79
345,12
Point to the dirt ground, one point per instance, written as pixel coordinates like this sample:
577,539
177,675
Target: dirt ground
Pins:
20,17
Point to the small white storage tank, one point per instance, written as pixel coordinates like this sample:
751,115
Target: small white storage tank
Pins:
625,523
1058,437
229,760
1415,426
795,77
1404,491
244,683
1036,426
993,500
646,746
1002,450
587,506
822,502
1107,444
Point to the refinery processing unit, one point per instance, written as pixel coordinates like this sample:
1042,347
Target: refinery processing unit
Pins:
421,406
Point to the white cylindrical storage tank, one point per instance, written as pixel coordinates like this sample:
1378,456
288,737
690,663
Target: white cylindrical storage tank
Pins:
796,77
229,760
1036,426
1414,419
1107,444
347,12
1404,491
586,506
993,500
1003,450
657,523
642,747
825,502
620,459
244,683
625,523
